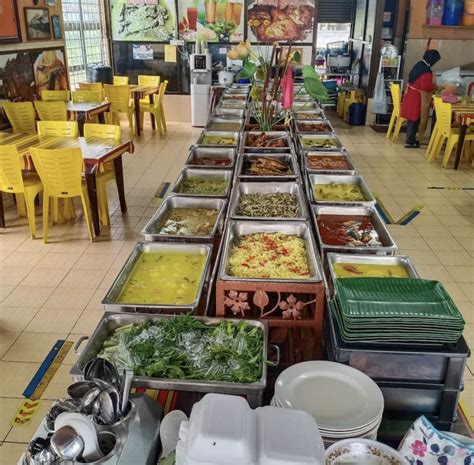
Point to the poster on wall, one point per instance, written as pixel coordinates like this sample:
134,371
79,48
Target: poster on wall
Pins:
211,21
24,74
10,30
142,52
280,20
143,20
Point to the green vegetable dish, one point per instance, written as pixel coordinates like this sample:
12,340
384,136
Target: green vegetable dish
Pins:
183,347
273,205
202,186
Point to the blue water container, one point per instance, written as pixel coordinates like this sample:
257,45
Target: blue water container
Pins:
452,12
357,114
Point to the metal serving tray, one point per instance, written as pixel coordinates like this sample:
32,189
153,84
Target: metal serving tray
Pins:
337,148
350,171
341,179
243,188
234,96
228,112
211,152
402,260
388,246
305,105
110,321
232,104
150,231
215,122
329,127
233,134
245,158
237,229
203,173
111,302
283,134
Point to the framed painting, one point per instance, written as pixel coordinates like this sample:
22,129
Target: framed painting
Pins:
38,26
10,30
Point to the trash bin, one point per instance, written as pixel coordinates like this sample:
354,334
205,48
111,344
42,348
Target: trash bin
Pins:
99,73
357,114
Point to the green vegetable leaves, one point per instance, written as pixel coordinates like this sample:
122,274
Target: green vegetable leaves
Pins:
313,84
247,71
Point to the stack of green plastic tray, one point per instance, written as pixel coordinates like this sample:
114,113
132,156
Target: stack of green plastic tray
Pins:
396,310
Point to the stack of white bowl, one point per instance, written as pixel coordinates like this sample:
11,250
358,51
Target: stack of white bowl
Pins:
345,402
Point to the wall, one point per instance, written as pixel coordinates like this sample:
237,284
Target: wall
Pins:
34,44
456,45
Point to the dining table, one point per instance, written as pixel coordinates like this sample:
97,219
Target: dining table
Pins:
95,152
83,112
138,93
463,114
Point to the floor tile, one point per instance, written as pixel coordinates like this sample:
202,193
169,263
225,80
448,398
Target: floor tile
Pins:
23,259
57,387
15,377
12,276
27,296
8,407
462,274
10,453
32,347
16,318
83,278
59,260
44,277
25,433
5,291
87,322
94,261
64,297
54,320
7,339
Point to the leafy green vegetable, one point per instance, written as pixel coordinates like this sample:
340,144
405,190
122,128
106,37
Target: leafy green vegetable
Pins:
186,348
247,71
313,84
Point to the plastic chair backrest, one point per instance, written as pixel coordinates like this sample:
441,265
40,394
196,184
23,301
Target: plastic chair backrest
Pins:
395,93
10,170
161,94
146,80
51,111
60,170
118,97
443,116
120,80
55,95
87,96
58,128
102,131
21,116
95,86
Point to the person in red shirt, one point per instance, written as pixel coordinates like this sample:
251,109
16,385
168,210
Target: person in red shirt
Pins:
420,80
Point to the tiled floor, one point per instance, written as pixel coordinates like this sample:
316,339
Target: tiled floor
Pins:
50,292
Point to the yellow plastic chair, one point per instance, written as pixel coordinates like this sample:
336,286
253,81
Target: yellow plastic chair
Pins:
25,186
148,81
61,173
157,109
120,81
107,171
396,120
94,86
55,95
51,111
118,97
58,128
435,137
92,96
21,116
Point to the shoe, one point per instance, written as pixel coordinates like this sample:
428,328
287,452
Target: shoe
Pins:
415,145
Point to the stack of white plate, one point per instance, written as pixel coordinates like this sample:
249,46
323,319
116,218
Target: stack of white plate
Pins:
345,402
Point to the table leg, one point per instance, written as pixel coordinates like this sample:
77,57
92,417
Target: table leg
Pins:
120,184
152,116
136,100
101,117
462,136
81,119
2,212
92,192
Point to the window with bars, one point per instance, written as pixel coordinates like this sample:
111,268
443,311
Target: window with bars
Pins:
84,32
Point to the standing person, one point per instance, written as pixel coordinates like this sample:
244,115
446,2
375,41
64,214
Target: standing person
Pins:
420,80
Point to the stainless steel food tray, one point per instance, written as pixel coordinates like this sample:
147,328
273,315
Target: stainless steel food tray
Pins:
203,173
350,171
111,302
329,128
230,134
237,229
337,148
211,152
317,112
150,231
224,112
283,134
388,246
305,105
340,179
232,104
110,321
243,188
245,158
238,122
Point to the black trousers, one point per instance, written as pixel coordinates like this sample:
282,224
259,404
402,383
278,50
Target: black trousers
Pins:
412,129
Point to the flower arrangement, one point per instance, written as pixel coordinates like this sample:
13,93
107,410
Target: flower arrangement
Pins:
272,81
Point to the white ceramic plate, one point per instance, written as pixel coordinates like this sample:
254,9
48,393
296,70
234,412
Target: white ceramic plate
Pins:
339,397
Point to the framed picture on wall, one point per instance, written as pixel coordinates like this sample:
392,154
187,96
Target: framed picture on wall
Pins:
57,31
10,30
38,26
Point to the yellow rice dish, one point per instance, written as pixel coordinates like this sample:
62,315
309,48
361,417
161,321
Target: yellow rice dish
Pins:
338,192
269,255
368,270
166,278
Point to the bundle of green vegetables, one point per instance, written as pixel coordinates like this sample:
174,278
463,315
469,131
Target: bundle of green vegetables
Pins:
183,347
